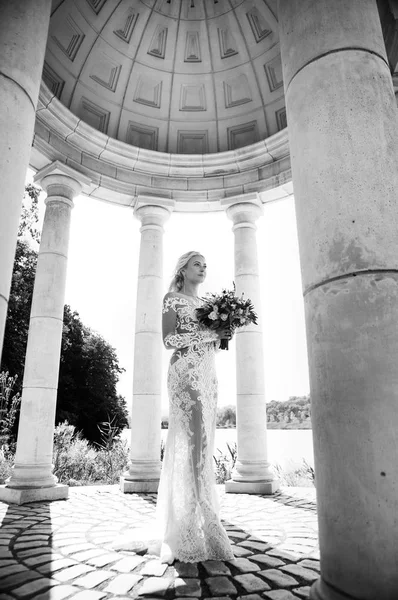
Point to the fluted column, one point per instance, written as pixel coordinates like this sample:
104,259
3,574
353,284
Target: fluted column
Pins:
144,467
32,477
343,132
23,36
251,474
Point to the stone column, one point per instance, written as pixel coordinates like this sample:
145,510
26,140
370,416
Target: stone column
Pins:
251,474
343,133
23,37
32,477
144,467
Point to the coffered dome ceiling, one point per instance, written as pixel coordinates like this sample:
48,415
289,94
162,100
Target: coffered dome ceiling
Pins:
177,76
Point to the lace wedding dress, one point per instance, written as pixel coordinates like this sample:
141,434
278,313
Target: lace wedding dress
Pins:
187,506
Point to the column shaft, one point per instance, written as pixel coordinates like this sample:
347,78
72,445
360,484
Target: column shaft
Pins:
23,36
144,467
32,477
251,474
343,133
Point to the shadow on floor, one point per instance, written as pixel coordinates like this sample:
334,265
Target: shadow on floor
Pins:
55,551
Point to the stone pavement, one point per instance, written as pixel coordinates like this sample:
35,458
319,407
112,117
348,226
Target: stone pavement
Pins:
63,550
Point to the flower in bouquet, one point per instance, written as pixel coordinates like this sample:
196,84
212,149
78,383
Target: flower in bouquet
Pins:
219,310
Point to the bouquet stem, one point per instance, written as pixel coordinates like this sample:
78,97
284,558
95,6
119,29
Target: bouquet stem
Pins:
224,345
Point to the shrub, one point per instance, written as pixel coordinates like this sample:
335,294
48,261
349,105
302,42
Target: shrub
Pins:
9,406
298,476
224,463
6,462
77,462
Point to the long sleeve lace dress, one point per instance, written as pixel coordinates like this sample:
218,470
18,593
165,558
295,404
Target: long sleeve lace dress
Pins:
187,507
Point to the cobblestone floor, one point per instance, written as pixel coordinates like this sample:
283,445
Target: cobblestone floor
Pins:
63,550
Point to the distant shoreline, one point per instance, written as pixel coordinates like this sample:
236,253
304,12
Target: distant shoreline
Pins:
289,426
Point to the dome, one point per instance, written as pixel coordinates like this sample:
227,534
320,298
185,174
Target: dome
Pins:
174,76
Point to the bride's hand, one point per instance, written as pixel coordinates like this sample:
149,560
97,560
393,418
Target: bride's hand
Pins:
224,332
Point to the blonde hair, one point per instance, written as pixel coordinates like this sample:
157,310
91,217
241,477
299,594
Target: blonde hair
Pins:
177,283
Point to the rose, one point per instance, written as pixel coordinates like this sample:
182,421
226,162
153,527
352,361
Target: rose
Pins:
213,316
224,316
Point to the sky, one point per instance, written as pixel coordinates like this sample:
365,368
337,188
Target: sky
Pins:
102,282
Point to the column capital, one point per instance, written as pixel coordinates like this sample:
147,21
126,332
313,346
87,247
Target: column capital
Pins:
243,210
61,182
153,211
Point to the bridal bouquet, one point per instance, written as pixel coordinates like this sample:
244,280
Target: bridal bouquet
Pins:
226,309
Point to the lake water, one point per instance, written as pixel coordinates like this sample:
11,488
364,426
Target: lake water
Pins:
286,447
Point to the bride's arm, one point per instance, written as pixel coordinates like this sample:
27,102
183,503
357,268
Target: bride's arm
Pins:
173,340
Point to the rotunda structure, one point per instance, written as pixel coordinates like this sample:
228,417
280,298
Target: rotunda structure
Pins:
223,105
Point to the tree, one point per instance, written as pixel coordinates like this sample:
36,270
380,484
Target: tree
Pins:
89,372
89,368
23,277
226,416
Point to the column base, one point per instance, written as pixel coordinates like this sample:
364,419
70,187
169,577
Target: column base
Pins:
322,591
10,495
265,488
128,486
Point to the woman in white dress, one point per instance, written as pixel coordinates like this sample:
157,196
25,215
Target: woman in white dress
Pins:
187,507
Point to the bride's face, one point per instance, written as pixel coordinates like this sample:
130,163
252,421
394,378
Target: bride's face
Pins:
195,271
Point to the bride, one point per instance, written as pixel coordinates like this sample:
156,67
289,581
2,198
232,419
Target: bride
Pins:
187,508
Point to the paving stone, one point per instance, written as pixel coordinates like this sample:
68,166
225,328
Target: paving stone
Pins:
302,592
5,562
184,569
283,554
267,561
122,583
155,586
30,536
34,552
89,595
73,548
34,561
279,595
10,569
239,551
55,565
68,541
255,546
38,585
72,572
154,568
86,554
306,574
220,586
251,583
238,535
244,565
310,564
101,561
17,579
250,597
278,578
187,587
127,564
93,579
215,567
4,541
